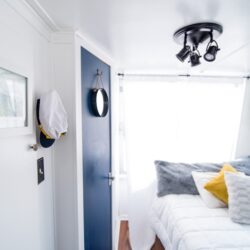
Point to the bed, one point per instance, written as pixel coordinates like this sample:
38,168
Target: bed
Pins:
183,222
173,210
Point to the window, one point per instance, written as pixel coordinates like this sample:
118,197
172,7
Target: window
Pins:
183,120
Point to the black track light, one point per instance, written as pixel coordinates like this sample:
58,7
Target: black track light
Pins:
195,58
211,51
191,36
184,53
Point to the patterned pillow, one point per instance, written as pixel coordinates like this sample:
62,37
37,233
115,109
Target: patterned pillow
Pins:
238,187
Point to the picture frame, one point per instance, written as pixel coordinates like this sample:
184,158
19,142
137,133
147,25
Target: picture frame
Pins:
15,100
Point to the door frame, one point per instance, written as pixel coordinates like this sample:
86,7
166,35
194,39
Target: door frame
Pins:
81,41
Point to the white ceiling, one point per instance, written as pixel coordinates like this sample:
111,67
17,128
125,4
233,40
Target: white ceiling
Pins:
138,34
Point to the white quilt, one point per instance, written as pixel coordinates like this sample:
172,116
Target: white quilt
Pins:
183,222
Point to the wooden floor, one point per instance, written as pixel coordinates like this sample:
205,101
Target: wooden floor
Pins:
124,239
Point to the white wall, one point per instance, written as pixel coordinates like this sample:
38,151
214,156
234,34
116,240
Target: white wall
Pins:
65,149
26,211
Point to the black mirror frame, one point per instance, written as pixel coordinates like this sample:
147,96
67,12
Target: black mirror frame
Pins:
94,102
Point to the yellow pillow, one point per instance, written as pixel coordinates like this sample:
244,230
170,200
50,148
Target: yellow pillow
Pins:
217,185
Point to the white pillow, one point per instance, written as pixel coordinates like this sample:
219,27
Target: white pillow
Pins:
200,179
238,187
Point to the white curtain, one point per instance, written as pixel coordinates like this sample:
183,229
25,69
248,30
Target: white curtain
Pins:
174,119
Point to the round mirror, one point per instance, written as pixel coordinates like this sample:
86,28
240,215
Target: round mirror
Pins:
99,102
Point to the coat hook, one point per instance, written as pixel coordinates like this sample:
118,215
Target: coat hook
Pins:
98,72
34,147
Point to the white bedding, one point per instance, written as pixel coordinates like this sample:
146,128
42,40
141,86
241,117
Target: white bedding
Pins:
183,222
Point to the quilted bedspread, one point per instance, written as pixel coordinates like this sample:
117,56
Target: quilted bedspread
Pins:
183,222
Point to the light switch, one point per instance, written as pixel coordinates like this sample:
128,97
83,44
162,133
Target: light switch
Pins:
40,170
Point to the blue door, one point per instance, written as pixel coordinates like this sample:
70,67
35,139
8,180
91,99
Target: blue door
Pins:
96,159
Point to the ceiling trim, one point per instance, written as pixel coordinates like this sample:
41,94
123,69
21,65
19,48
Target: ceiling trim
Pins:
43,14
63,37
25,11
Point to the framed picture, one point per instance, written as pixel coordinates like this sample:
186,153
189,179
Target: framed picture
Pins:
13,100
15,103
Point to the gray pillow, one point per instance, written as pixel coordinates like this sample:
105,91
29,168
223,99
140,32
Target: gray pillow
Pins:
176,178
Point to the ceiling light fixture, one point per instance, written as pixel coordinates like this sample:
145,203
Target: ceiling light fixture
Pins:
211,51
195,34
195,57
185,51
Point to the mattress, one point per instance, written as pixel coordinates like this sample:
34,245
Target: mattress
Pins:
183,222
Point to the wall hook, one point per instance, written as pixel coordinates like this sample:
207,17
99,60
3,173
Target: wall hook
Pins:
98,72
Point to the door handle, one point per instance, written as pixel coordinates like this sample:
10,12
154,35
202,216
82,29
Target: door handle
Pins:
111,178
